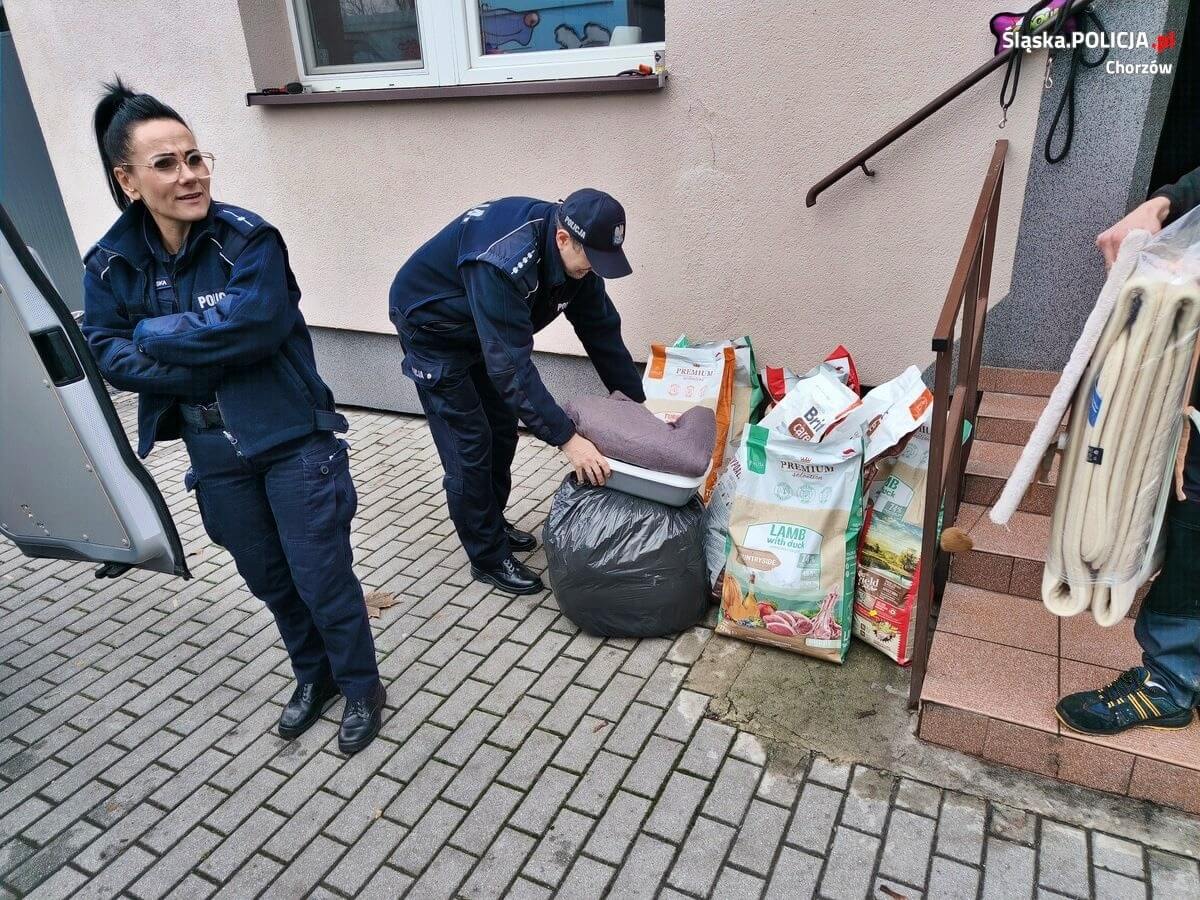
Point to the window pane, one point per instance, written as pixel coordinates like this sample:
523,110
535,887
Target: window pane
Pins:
519,26
362,34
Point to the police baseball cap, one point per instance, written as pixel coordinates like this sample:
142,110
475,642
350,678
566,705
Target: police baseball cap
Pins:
598,222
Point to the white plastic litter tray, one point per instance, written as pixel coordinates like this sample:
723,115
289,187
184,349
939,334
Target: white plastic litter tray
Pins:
662,487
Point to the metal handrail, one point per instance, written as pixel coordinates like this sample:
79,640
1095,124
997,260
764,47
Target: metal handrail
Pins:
957,405
859,160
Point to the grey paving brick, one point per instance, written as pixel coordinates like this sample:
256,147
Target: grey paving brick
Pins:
619,825
555,678
63,884
444,875
688,646
779,787
182,819
36,867
587,878
1113,886
633,729
867,800
302,826
849,866
465,740
652,766
732,791
193,888
507,692
644,868
907,848
616,696
683,715
424,840
1118,855
556,852
597,785
1009,870
415,752
66,813
567,710
113,879
960,829
707,749
828,772
1014,824
543,800
242,844
355,771
238,805
499,866
950,880
580,748
304,784
527,763
748,748
812,823
460,703
674,810
368,853
701,856
302,874
1063,860
795,875
759,837
487,818
524,889
1173,876
386,884
172,868
735,885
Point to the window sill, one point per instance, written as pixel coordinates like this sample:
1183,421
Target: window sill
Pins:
613,84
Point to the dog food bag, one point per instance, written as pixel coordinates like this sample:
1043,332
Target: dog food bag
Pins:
890,413
747,388
776,382
883,612
678,378
843,364
793,532
810,409
716,520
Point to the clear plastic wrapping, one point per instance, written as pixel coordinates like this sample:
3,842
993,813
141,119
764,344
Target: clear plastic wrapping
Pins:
1127,417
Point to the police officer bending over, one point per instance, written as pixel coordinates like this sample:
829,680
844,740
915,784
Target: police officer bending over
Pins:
192,304
467,305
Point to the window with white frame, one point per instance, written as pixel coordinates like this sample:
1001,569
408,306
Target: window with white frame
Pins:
353,44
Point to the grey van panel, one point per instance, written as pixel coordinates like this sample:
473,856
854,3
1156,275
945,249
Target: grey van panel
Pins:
70,485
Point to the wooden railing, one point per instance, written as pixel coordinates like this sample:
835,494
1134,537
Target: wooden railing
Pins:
957,405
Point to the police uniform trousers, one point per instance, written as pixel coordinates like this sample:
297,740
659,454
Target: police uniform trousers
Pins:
284,515
474,430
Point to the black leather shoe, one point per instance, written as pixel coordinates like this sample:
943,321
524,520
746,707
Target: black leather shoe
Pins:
307,703
511,577
361,720
519,541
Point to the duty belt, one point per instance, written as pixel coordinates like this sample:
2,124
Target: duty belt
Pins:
202,416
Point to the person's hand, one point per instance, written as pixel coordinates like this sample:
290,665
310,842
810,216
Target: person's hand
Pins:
588,462
1148,217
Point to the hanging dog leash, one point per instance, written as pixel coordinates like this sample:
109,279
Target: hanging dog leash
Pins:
1033,18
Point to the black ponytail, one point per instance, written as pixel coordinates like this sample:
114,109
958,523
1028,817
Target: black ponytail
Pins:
117,112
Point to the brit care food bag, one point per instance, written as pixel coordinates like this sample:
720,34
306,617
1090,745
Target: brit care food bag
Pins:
678,378
793,535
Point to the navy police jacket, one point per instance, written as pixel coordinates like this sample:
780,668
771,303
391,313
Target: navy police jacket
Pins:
498,267
235,331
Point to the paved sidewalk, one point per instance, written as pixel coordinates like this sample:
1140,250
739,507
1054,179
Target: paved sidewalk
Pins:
518,757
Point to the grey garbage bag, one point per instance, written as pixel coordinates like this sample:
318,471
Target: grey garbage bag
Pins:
623,566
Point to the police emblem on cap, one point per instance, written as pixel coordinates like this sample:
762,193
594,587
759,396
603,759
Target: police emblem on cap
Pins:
618,235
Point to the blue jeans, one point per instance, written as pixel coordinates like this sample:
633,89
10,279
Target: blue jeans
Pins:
284,516
1168,626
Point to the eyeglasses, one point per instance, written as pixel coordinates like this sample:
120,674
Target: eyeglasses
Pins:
169,167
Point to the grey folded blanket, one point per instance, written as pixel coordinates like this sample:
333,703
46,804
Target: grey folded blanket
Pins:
625,430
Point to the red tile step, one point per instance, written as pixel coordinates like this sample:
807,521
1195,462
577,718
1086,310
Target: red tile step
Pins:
998,665
988,469
1023,382
1008,418
1008,559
